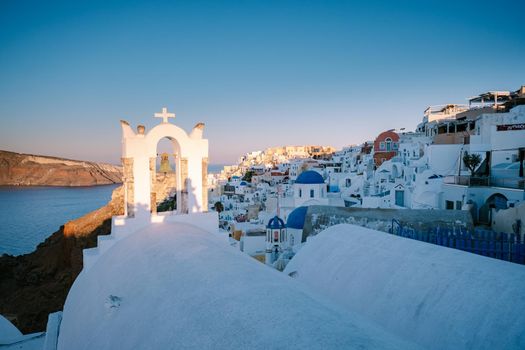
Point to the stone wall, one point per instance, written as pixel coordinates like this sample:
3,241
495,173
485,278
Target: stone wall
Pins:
153,177
320,217
204,184
129,186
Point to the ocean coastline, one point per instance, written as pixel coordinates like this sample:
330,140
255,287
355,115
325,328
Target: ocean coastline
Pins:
36,283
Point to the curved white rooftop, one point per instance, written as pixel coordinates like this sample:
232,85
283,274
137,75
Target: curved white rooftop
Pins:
441,298
173,286
11,338
8,332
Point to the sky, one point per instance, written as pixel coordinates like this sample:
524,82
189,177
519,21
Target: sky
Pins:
257,73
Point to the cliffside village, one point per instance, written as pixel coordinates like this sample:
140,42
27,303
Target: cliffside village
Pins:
460,157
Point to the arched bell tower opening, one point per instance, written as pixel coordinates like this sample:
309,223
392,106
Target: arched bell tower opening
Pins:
140,158
165,177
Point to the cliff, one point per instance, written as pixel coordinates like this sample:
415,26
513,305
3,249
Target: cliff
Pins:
31,170
36,284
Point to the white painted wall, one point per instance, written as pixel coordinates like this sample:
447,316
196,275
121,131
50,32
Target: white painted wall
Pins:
253,245
506,220
443,159
294,236
302,194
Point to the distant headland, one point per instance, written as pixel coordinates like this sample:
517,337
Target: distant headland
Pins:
18,169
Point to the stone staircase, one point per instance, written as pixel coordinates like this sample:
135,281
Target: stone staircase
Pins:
104,243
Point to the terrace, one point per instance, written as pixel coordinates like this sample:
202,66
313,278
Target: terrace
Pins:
446,111
486,181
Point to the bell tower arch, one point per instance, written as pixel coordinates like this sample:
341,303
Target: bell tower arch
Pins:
139,152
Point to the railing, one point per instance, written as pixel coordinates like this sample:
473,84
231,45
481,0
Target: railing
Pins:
382,194
485,181
498,245
518,183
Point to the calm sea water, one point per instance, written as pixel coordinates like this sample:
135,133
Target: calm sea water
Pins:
28,215
215,168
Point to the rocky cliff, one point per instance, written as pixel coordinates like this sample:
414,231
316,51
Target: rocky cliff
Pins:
36,284
30,170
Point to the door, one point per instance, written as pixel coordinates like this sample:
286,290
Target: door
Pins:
400,198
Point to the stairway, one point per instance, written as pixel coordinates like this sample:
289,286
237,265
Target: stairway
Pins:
104,243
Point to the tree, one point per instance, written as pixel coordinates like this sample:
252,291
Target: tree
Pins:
471,161
218,206
248,176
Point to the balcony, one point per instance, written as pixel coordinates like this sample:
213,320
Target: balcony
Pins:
485,181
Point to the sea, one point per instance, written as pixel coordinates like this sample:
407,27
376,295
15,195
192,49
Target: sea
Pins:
28,215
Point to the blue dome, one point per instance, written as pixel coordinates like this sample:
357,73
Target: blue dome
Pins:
296,218
243,183
276,223
309,177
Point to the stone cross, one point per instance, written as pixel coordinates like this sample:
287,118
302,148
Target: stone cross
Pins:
164,115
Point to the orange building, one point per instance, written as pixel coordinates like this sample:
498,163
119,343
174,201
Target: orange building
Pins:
385,146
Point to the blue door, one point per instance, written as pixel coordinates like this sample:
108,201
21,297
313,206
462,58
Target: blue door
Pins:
400,198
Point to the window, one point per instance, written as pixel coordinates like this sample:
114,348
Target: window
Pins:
395,145
458,205
388,142
381,146
300,193
311,193
449,205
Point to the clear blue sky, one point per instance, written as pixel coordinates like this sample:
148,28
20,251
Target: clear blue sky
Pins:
258,73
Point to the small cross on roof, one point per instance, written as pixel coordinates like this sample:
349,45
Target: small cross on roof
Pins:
164,115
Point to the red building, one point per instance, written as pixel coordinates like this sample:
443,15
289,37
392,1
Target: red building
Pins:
385,146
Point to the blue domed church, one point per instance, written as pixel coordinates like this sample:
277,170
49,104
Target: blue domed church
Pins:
309,189
295,225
